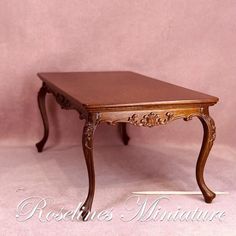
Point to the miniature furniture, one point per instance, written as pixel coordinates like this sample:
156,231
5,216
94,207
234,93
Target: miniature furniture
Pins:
122,98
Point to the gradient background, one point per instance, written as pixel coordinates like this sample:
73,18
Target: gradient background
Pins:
186,42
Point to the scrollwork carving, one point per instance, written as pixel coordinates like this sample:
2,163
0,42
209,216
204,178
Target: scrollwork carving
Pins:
88,134
151,119
211,123
90,125
65,103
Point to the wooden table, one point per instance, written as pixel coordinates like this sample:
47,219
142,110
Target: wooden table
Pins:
126,97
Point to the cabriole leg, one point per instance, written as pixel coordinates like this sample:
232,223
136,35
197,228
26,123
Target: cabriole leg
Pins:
208,139
87,142
41,104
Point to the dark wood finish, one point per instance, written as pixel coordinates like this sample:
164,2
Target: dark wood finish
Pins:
87,142
123,133
126,98
41,103
208,139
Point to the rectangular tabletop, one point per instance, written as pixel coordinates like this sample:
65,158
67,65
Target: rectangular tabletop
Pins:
122,88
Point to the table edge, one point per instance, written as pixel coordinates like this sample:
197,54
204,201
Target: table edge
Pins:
136,106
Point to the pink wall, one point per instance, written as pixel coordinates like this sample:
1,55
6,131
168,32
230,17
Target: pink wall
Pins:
187,42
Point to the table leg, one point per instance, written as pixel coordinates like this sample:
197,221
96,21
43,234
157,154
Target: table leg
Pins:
122,128
87,142
208,139
41,103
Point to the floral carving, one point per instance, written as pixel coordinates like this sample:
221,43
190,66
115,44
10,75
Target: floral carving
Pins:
64,102
151,119
210,123
88,134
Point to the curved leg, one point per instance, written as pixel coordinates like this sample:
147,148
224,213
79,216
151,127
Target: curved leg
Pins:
208,139
41,103
123,133
87,142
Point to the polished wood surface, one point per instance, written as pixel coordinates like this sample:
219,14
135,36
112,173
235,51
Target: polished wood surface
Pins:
126,98
113,89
